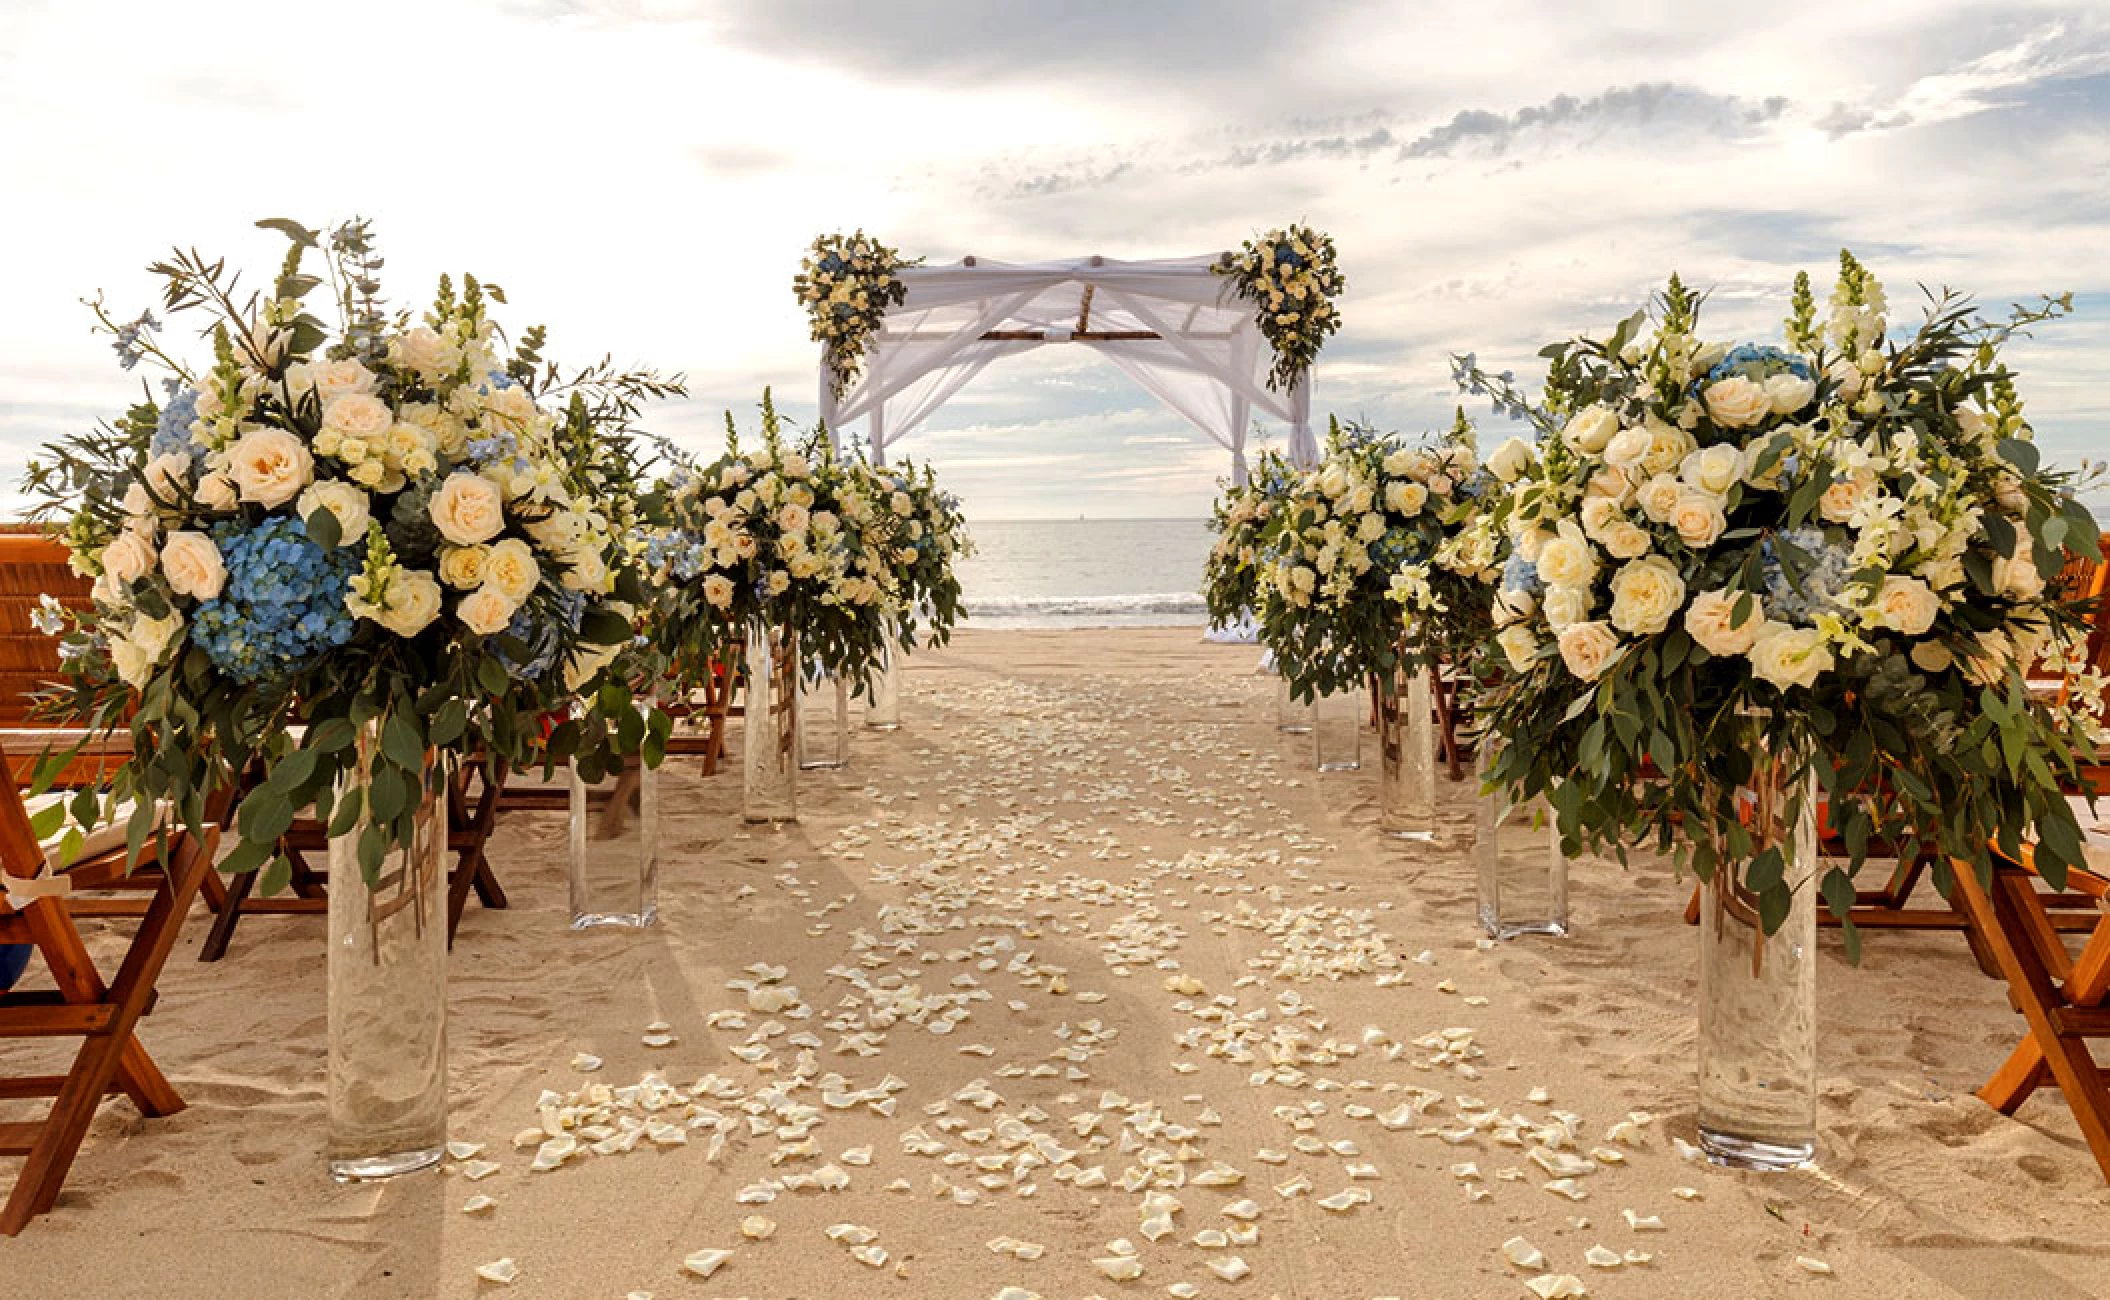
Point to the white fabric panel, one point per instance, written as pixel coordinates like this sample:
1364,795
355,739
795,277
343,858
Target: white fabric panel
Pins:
1210,362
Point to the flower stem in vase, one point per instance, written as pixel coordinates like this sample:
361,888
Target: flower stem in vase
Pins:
1406,741
769,760
1758,992
614,859
387,975
1522,873
884,711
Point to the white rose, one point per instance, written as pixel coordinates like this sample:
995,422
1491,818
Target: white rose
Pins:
216,492
794,518
1520,645
588,572
508,408
334,379
1514,606
1625,541
1840,499
485,611
1712,623
192,565
1906,605
1510,460
1645,594
132,664
343,500
511,568
1567,560
468,509
1610,484
1668,446
167,475
1587,649
1736,402
718,590
1714,469
413,602
426,351
270,466
1789,393
152,637
128,557
1698,518
1565,606
1405,498
2016,577
356,415
1590,429
462,567
1530,542
1789,656
1333,481
1659,498
1628,448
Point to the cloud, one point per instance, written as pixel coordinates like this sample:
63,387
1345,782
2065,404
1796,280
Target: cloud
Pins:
1653,108
2000,77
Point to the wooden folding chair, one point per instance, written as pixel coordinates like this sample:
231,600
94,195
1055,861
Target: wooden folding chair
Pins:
714,708
81,1003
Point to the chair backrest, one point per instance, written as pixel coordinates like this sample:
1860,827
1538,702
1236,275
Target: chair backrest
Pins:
33,564
20,854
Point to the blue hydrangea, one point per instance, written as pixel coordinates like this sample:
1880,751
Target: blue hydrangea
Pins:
547,637
680,552
172,430
1800,597
1758,361
283,603
1520,574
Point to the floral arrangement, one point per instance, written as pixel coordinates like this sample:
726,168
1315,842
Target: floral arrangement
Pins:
376,521
1292,279
1835,549
846,284
1240,519
924,529
779,536
1373,562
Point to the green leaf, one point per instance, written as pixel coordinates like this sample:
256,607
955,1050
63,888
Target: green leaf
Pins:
346,814
291,229
45,822
491,675
449,723
291,773
403,741
276,876
2022,455
266,814
323,528
387,794
247,855
1773,907
331,735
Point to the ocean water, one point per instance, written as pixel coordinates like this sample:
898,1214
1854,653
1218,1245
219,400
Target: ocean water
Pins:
1085,573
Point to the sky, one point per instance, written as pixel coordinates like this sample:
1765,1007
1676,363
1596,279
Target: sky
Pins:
644,175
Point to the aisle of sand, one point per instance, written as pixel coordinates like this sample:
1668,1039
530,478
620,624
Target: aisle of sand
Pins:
1085,935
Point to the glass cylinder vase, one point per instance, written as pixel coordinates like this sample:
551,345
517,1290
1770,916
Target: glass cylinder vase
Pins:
824,721
1758,992
614,866
387,973
883,713
1522,873
1406,743
769,758
1337,730
1293,717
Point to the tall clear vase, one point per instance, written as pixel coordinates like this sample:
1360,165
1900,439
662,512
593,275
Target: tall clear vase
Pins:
1293,717
770,741
614,864
1758,992
1337,730
824,721
387,974
1406,743
1523,875
884,711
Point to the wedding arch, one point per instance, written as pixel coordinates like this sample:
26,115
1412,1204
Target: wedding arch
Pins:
1191,331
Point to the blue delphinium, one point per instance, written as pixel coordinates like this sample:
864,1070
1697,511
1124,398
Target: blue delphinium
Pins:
283,602
1820,574
547,633
172,429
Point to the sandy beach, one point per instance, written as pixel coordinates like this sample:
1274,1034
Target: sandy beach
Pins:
1086,934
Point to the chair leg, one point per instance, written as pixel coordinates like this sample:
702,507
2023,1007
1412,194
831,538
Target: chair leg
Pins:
228,917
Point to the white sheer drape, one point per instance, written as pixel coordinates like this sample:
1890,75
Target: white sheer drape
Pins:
1209,361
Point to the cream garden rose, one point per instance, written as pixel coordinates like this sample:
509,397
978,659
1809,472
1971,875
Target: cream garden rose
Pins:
192,565
485,611
1713,469
462,567
270,466
1736,402
1788,393
1699,518
1519,645
1789,656
1906,605
128,558
1712,623
1567,560
1587,649
1658,498
345,501
468,509
413,602
426,351
1565,606
358,417
1510,460
512,570
1590,429
1646,593
1628,448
